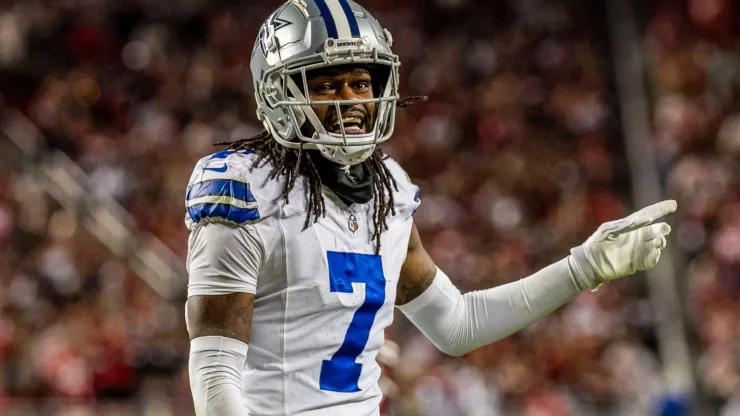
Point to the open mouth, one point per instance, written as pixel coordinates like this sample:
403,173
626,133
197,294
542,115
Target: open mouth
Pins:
352,125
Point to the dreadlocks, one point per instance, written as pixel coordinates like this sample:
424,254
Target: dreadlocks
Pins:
296,162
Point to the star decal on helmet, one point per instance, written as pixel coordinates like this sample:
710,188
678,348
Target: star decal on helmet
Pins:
279,23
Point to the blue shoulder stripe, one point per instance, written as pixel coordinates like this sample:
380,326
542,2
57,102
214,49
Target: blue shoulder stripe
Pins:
224,211
221,187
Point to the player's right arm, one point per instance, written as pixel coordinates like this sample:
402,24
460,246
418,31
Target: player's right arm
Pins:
223,262
225,254
219,329
221,316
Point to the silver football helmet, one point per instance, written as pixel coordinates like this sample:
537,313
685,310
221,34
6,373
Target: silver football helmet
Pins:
304,35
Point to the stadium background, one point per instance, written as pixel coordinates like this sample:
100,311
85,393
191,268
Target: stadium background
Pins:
521,151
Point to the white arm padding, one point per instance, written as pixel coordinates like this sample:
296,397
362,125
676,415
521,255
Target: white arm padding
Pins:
458,324
215,367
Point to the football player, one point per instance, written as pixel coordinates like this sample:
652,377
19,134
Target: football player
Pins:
302,239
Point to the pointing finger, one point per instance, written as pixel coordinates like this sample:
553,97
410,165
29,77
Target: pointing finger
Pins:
658,210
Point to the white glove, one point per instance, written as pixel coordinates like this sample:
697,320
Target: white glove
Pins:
622,247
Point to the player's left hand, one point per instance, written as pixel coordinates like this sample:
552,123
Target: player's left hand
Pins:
622,247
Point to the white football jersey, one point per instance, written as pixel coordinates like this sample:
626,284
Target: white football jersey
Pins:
323,298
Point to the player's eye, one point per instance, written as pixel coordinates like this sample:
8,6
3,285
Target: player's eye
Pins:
323,88
361,86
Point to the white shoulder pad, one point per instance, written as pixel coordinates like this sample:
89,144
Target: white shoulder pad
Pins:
407,199
219,190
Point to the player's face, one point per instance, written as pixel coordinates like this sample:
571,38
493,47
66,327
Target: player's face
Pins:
342,83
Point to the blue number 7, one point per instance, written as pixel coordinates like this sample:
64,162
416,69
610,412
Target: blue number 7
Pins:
342,373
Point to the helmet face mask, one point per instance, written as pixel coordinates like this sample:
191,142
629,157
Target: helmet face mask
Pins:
285,106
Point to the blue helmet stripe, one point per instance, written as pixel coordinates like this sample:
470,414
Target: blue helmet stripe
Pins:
351,19
331,26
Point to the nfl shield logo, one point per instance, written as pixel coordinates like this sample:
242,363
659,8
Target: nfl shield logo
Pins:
352,223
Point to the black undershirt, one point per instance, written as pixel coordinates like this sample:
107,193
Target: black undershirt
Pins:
351,185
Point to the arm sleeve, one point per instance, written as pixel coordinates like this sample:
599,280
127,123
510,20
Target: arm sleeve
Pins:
223,259
215,368
458,324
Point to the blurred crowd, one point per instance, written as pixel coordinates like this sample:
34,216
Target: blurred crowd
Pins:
516,152
695,77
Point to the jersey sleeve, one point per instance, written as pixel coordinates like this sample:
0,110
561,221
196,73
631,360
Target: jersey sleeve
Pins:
223,259
225,250
408,197
219,191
